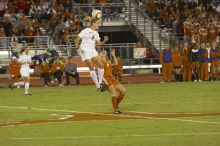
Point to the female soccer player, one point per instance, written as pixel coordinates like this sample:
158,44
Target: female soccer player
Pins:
113,86
25,61
90,40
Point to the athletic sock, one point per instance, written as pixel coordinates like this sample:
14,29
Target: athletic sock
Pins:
120,98
20,83
100,74
114,102
94,78
27,88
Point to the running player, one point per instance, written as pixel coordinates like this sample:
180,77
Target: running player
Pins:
90,40
25,61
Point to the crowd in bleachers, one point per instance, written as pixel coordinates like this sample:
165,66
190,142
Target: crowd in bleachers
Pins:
196,23
25,18
195,20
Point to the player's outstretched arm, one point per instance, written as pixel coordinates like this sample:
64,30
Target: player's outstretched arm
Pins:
99,43
114,57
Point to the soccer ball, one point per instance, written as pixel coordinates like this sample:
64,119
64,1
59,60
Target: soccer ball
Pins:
96,14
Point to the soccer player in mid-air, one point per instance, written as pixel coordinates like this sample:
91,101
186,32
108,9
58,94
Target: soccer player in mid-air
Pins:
89,41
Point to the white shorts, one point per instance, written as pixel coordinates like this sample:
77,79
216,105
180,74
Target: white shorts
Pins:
88,54
25,72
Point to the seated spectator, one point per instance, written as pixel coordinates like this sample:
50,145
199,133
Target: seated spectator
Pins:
45,72
71,70
14,71
57,70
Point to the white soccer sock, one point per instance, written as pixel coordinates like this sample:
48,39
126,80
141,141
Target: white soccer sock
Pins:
94,78
26,88
100,74
19,83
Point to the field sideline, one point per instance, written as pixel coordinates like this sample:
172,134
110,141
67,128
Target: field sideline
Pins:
168,114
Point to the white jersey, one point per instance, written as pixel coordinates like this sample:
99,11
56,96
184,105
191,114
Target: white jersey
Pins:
89,38
25,60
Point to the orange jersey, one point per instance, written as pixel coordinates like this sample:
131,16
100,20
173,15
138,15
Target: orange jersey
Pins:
44,69
203,33
55,67
187,27
195,36
107,68
185,55
119,67
212,35
108,77
14,68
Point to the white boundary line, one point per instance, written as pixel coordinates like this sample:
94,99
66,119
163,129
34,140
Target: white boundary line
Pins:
128,116
118,136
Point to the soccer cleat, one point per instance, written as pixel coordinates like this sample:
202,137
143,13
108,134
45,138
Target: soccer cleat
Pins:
102,87
11,86
27,94
117,112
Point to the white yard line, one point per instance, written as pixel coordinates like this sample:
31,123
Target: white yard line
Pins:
118,136
128,116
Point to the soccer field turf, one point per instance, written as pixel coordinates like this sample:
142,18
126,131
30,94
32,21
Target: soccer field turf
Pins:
169,114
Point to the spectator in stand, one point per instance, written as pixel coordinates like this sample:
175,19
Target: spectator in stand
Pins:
14,71
118,70
187,71
15,45
14,29
29,34
3,39
45,72
177,62
71,70
215,57
138,45
195,61
57,71
166,61
212,33
7,26
38,39
149,53
68,4
2,8
203,33
204,74
53,21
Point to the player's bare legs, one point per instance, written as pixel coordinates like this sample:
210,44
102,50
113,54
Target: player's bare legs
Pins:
113,92
98,61
92,72
121,95
26,85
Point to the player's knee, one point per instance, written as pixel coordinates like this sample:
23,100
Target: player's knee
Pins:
122,91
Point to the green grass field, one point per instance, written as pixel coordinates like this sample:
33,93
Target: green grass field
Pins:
54,103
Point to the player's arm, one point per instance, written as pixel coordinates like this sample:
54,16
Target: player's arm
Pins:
99,43
77,40
114,57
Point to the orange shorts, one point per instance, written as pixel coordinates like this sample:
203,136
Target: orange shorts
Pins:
110,81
